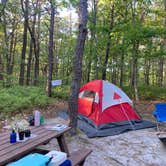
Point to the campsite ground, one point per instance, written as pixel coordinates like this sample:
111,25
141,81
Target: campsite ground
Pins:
134,148
140,147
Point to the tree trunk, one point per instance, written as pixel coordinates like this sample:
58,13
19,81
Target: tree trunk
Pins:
29,63
32,41
1,68
93,43
50,51
114,68
22,65
13,54
160,71
77,66
122,68
108,44
135,69
6,37
37,52
161,59
123,50
147,71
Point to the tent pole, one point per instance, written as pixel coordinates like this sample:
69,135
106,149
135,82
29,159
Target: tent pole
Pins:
126,116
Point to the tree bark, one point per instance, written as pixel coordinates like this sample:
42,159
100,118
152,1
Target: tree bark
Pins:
22,65
147,71
31,50
93,44
51,50
114,69
135,69
161,59
108,44
122,67
1,68
77,66
123,51
6,37
37,51
29,63
160,71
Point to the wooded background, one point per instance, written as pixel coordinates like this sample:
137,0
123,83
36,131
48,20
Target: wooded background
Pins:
125,43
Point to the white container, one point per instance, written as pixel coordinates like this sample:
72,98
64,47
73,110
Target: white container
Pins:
58,157
37,118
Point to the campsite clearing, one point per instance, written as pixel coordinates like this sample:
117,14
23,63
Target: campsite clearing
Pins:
134,148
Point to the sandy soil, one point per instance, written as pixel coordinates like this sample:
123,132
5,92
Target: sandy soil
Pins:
134,148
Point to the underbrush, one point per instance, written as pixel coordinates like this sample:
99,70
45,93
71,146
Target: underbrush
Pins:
61,92
147,92
19,98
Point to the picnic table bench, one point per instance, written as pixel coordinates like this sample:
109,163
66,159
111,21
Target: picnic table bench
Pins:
11,152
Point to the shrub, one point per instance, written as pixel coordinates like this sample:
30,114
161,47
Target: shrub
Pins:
18,98
61,92
147,92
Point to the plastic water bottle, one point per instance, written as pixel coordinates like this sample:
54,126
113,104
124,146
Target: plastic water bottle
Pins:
13,137
37,118
41,120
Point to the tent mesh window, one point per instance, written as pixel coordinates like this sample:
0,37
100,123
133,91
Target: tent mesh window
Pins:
87,94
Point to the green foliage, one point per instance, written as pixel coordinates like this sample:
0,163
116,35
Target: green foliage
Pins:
147,92
18,98
61,92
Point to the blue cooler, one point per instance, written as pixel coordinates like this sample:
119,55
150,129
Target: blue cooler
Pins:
34,159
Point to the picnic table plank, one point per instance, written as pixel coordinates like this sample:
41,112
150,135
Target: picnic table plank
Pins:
7,144
4,137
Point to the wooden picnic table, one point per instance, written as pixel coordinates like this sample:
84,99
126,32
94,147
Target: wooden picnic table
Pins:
10,152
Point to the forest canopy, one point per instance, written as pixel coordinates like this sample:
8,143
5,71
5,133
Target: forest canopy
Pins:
125,43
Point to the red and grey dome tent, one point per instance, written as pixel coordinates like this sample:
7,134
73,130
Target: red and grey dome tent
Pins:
104,109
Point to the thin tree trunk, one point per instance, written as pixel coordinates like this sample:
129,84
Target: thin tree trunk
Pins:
108,44
50,51
89,64
135,69
13,55
29,63
160,71
147,71
11,50
93,43
123,51
122,67
22,65
114,69
77,66
36,71
1,68
153,73
2,24
6,37
135,54
161,59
